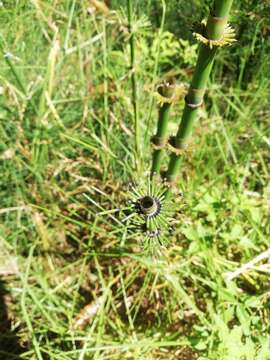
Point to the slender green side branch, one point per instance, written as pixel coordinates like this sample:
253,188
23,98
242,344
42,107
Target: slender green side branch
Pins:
156,70
133,78
216,33
159,141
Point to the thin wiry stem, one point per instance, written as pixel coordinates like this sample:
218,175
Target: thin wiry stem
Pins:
133,78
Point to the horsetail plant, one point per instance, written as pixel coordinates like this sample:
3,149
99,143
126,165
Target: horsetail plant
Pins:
215,33
154,206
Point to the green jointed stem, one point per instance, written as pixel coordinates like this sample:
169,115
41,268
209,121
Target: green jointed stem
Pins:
166,90
161,137
215,26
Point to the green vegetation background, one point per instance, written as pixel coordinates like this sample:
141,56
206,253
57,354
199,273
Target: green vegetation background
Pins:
66,156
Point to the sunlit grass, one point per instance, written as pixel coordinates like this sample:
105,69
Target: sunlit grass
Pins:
67,156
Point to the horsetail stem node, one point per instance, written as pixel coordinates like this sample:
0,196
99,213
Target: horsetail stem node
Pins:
152,216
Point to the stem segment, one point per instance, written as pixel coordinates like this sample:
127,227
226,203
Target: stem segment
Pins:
215,26
166,90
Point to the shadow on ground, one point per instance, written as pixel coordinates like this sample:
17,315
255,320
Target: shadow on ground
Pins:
10,347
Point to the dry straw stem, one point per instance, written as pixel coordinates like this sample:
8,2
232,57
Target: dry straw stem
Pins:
214,31
248,266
